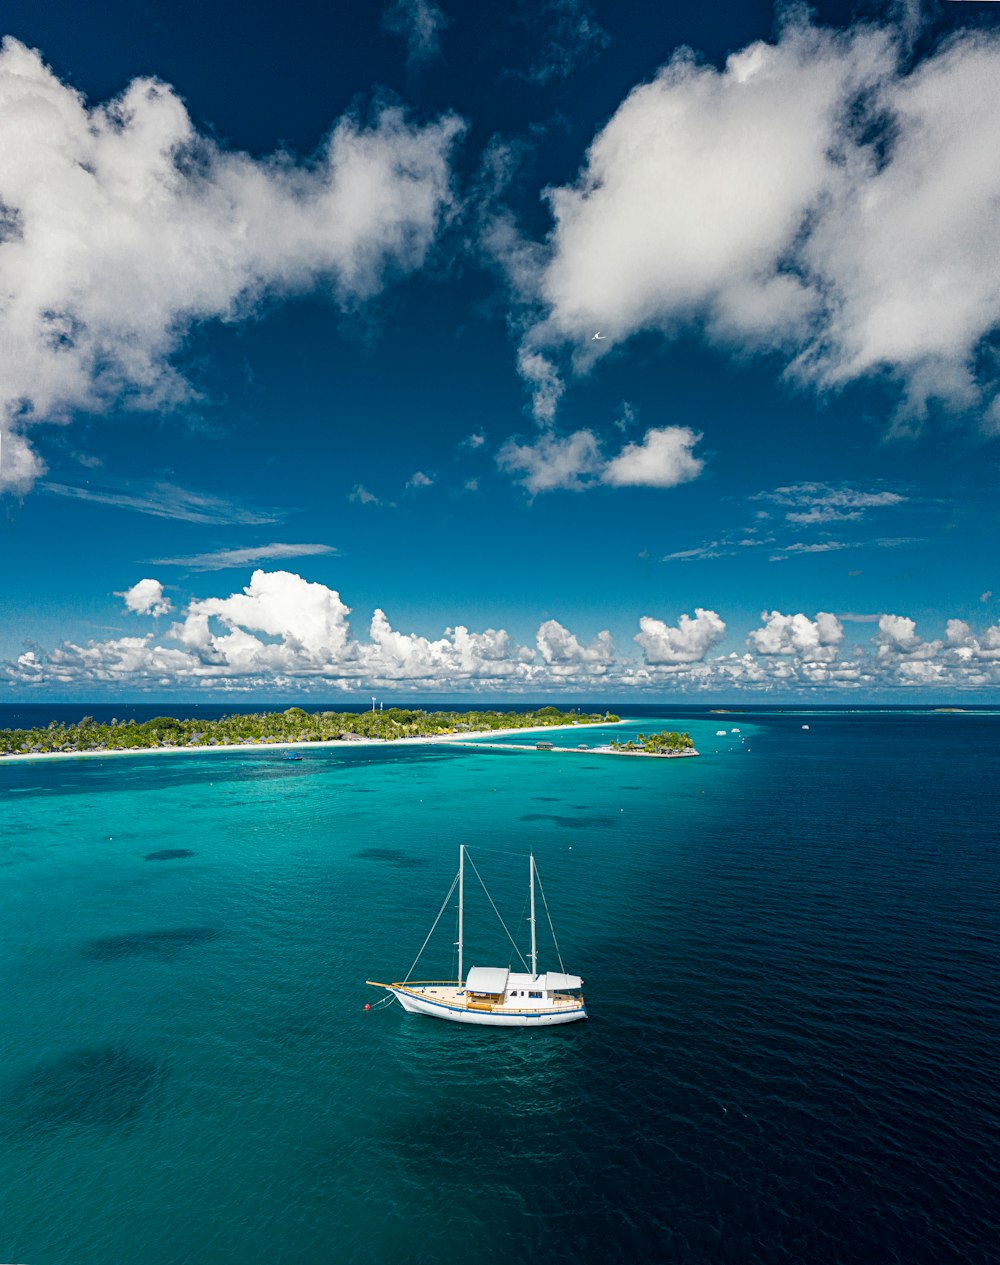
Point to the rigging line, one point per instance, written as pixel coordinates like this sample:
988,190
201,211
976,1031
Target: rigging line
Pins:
444,903
495,910
549,916
501,852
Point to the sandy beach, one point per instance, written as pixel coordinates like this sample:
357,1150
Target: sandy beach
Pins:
304,746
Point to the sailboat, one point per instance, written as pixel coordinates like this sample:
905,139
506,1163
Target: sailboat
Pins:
494,995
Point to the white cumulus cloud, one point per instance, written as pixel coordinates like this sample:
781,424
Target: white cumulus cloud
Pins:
662,460
564,653
122,227
308,622
146,598
823,195
552,461
811,640
284,632
687,642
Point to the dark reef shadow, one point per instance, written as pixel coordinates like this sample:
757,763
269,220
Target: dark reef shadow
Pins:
546,799
578,822
159,944
391,856
98,1087
169,854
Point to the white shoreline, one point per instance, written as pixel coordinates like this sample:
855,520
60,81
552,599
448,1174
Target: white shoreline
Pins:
306,746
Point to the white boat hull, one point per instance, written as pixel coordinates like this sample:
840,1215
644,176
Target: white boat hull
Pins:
416,1002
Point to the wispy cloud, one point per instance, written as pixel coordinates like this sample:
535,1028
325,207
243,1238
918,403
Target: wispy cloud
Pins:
806,504
818,546
221,559
360,495
711,549
167,500
567,35
419,23
832,546
725,547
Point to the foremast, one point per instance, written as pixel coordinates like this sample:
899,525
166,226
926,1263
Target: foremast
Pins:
461,908
534,944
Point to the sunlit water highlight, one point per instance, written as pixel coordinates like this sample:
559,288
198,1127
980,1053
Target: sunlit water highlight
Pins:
790,948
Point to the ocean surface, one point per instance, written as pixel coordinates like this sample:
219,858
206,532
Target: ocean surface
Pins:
791,949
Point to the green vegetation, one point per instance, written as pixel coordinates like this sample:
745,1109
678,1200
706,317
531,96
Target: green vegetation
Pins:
657,744
293,725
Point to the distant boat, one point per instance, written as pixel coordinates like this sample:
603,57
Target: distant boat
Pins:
290,757
805,726
494,995
720,733
734,730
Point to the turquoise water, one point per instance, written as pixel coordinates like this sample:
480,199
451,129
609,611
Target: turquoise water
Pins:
790,948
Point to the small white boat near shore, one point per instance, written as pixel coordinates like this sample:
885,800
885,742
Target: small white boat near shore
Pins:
495,996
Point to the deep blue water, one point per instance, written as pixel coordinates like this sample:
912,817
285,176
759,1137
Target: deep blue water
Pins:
791,948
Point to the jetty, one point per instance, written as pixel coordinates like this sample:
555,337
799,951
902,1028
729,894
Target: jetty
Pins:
550,747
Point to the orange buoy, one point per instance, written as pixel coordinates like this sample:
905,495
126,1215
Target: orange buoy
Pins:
367,1006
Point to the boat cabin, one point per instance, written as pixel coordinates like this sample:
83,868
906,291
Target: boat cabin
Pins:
488,986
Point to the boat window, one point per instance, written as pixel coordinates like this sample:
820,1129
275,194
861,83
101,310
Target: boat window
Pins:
534,994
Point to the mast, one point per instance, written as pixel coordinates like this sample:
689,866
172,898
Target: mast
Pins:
534,946
461,905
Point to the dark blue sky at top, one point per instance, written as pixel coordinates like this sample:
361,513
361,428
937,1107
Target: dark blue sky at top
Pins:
303,402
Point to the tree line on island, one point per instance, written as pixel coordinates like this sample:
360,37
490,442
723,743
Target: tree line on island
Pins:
292,725
656,744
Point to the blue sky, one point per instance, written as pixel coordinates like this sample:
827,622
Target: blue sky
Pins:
300,392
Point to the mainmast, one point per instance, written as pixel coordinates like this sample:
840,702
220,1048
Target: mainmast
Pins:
461,905
534,946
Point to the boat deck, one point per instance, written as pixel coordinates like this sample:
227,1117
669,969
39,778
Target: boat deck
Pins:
450,995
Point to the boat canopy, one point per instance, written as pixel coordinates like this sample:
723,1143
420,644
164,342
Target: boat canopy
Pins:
555,981
487,979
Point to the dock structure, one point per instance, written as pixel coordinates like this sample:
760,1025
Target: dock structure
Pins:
538,746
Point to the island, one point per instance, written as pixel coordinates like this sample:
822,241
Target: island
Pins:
293,726
661,744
